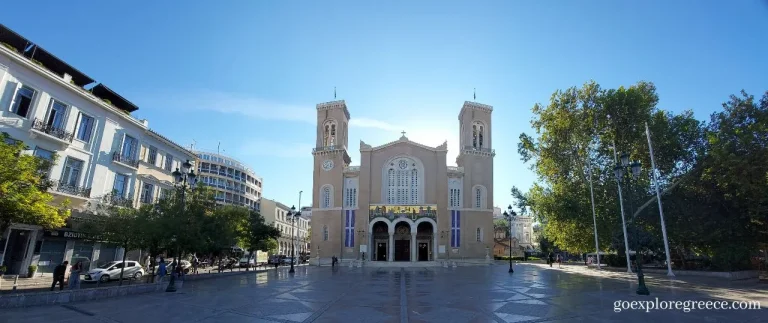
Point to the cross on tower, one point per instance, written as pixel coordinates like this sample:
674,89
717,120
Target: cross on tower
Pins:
403,133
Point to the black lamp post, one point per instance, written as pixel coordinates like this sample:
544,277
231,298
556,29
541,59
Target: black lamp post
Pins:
184,178
632,170
509,216
294,216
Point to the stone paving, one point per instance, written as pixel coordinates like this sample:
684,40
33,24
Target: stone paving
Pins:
464,294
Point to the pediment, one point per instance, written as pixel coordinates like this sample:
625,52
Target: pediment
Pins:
404,141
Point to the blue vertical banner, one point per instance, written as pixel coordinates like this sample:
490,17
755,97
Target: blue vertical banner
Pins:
455,229
349,229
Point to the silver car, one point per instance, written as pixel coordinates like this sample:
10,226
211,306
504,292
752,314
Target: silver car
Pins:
111,271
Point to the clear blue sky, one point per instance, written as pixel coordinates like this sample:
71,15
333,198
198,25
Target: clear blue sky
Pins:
249,73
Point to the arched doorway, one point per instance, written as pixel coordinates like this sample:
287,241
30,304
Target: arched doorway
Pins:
380,241
424,240
402,242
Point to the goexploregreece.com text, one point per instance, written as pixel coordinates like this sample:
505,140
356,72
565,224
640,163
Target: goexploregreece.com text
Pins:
685,306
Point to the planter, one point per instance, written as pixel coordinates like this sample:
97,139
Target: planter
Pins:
31,271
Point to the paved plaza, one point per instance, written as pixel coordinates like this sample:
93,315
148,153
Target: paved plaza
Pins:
534,293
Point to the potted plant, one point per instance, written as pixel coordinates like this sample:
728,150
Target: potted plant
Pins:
2,270
31,271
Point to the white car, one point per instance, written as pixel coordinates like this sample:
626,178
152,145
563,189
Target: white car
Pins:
111,271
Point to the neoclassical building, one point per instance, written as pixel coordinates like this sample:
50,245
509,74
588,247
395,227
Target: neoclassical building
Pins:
403,203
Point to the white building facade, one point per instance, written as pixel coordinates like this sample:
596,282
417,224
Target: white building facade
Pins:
56,110
294,230
233,182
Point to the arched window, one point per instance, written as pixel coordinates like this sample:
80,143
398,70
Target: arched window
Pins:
402,182
478,135
326,197
479,197
325,233
329,133
479,235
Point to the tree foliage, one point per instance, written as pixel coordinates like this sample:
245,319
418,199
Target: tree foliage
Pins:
715,171
23,189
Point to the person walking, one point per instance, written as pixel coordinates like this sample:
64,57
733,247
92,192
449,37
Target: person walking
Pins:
551,259
162,270
74,275
58,275
559,261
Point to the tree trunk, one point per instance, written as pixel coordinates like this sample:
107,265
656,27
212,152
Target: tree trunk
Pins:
122,269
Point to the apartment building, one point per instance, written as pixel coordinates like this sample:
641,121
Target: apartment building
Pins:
158,158
233,182
56,110
293,230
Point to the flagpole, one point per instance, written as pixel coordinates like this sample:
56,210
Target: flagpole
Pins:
658,198
621,205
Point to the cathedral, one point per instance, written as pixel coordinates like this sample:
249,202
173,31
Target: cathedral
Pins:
403,203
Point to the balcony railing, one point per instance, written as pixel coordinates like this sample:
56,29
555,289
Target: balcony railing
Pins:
481,149
123,159
60,133
117,199
64,187
328,148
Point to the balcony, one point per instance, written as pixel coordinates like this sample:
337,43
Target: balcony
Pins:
116,199
480,151
127,161
328,148
59,135
71,190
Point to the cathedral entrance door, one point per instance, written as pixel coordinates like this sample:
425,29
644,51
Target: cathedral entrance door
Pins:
381,251
423,251
402,250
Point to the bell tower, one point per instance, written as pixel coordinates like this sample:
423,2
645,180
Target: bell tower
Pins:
330,159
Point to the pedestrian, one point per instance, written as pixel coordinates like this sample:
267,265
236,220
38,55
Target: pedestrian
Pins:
162,270
74,275
58,275
551,259
195,263
559,261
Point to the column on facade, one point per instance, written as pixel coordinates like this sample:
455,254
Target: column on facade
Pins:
414,249
391,247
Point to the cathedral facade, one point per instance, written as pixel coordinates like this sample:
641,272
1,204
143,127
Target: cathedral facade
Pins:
402,203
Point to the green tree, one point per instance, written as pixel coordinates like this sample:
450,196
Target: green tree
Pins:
23,189
116,224
269,245
259,235
576,133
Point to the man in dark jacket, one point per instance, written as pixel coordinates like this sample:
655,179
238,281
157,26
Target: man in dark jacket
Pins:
58,275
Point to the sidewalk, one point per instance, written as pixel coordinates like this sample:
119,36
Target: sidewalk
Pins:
42,281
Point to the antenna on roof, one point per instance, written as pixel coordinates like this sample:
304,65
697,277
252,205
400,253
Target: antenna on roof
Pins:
218,148
474,94
334,93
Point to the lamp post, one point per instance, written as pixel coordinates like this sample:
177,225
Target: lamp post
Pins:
632,170
509,216
185,178
294,217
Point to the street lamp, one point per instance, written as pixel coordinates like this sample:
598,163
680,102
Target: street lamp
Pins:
632,170
294,216
509,216
184,179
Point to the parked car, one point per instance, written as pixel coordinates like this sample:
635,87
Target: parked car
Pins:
246,262
286,261
185,265
111,271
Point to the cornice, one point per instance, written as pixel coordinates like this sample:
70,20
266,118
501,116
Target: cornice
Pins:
403,139
338,104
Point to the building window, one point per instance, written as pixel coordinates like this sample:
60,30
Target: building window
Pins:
164,193
478,132
351,199
329,133
455,197
56,114
402,182
327,198
152,158
22,101
121,182
72,169
479,235
455,229
85,128
146,193
325,233
168,162
129,147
